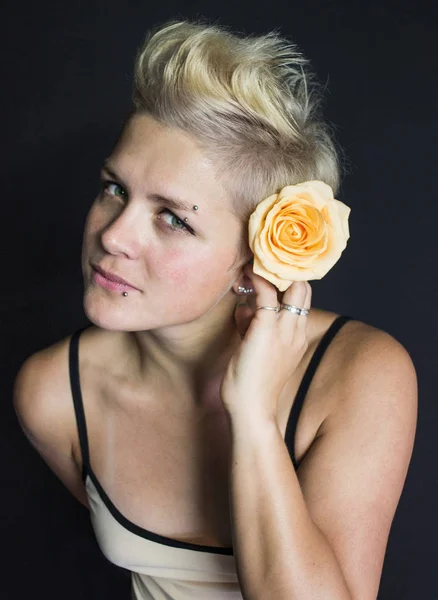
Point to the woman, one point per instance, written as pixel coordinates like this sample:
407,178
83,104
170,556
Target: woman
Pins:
174,415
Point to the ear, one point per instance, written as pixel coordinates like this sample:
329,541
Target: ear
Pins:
243,281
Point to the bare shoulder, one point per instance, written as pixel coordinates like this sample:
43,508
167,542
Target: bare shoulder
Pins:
42,401
372,357
41,395
361,348
374,380
366,370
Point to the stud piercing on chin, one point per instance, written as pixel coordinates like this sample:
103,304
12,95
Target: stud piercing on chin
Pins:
125,293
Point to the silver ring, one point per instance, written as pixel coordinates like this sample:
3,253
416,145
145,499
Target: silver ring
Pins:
275,308
295,309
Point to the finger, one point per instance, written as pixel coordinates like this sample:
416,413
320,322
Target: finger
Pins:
265,294
302,319
298,294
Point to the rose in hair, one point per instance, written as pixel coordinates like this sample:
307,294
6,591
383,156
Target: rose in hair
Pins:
298,234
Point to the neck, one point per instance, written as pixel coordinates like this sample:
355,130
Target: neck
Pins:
191,358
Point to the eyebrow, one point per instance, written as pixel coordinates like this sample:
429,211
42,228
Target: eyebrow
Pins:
174,203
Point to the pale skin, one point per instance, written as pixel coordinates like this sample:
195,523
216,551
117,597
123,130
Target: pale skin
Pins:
186,419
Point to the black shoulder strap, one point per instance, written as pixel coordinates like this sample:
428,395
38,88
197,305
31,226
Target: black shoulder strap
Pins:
77,398
306,380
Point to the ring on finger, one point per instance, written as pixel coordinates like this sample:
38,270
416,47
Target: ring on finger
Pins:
295,309
274,308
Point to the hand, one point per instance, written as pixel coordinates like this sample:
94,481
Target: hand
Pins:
272,346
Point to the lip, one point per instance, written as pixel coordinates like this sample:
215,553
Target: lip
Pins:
101,276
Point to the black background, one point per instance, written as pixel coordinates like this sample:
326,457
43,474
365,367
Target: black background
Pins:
66,76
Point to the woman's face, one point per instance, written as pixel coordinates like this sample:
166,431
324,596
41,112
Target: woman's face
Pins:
181,269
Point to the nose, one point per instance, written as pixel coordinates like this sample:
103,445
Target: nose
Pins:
124,234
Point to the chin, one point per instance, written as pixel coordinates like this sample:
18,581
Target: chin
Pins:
105,312
112,314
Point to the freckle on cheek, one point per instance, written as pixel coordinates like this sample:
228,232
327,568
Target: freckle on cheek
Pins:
179,270
176,272
178,276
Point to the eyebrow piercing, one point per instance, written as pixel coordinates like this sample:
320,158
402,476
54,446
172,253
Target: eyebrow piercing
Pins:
186,219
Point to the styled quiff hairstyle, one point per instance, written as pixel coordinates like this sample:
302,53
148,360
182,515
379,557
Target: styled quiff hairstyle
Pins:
250,101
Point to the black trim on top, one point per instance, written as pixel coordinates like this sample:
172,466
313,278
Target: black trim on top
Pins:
77,399
297,405
150,535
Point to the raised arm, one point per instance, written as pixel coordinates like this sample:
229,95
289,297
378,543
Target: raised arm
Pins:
321,532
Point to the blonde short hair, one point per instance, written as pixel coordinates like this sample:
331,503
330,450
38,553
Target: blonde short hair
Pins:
250,101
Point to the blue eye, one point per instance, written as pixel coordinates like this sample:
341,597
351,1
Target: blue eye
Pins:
105,185
174,223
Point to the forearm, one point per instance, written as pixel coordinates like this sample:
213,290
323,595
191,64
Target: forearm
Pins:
280,552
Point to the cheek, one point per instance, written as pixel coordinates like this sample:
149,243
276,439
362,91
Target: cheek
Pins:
196,271
179,267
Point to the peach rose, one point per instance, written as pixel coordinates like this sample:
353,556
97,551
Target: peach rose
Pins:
298,234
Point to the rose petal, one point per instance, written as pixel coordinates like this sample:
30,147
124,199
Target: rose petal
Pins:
298,234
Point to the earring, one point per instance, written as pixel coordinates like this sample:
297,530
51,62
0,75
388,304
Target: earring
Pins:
244,290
